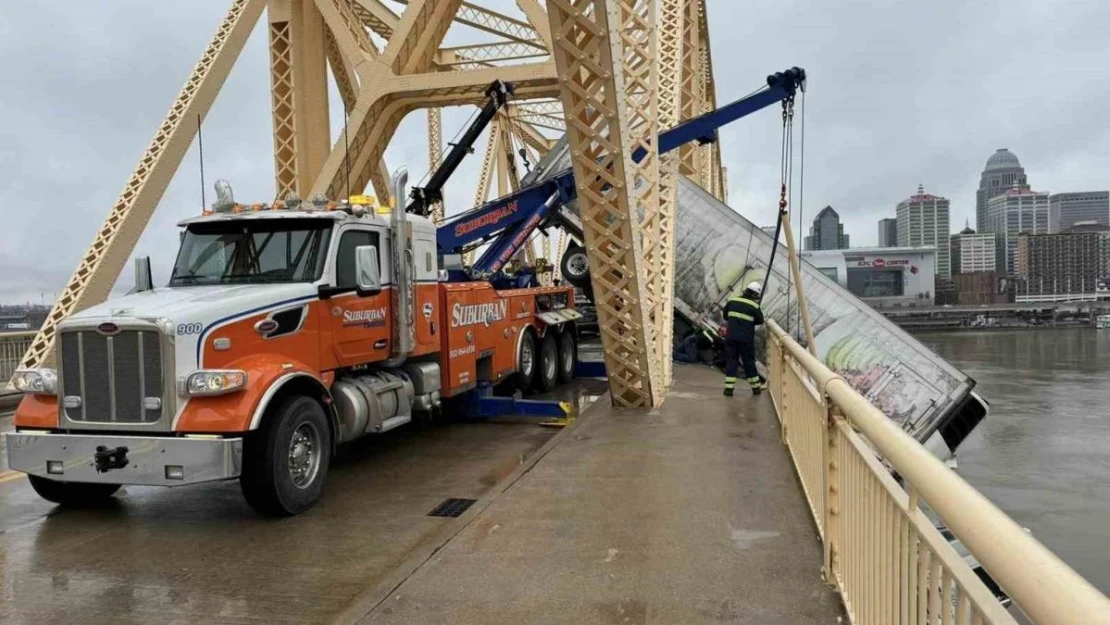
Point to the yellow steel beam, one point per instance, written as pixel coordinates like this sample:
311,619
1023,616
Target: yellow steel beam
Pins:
376,16
493,22
690,81
435,152
113,243
589,55
310,92
537,19
282,106
418,35
670,103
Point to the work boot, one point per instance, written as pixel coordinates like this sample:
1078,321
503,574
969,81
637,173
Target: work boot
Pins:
728,392
756,390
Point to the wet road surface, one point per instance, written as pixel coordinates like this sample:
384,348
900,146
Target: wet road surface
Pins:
200,555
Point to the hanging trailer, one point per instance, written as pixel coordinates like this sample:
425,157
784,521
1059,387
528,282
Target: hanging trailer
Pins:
716,251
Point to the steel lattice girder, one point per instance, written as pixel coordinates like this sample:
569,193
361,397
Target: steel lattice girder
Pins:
588,53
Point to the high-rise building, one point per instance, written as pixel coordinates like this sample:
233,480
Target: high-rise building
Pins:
1017,211
1063,266
826,233
972,252
923,220
1002,172
1065,210
888,232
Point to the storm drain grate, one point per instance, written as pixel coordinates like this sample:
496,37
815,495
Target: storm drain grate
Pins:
452,507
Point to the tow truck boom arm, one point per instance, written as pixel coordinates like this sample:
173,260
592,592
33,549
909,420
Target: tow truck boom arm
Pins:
513,218
422,198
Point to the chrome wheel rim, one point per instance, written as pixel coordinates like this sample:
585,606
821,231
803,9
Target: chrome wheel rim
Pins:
527,358
578,264
304,455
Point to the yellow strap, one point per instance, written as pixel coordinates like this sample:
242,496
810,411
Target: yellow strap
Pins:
736,315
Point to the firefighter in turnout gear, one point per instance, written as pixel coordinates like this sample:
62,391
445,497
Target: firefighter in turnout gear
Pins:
743,314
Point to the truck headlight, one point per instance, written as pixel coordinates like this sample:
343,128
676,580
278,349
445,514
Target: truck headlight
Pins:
214,382
36,381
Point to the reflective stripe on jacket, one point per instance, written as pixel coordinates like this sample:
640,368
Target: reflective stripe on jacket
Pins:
743,315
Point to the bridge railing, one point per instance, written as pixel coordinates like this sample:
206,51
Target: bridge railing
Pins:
882,553
13,345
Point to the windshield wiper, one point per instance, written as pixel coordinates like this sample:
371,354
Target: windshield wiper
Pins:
190,278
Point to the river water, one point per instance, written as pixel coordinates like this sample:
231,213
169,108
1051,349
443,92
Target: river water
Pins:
1043,453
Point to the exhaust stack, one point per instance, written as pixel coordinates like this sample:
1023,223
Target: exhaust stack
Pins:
404,291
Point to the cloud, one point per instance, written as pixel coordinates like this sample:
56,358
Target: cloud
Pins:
900,94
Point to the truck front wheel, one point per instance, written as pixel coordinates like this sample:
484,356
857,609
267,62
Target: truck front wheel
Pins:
286,460
75,494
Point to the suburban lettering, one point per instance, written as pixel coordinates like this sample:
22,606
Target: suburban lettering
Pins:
485,220
475,314
368,318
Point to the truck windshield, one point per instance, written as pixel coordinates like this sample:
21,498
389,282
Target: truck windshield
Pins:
252,252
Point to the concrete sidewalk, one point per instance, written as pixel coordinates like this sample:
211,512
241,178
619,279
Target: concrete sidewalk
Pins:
688,514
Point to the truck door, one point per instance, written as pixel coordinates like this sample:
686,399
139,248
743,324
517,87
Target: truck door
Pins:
361,330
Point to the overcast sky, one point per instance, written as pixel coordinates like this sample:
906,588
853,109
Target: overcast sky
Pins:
900,94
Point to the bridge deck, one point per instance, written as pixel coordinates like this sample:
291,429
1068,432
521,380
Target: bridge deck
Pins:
690,514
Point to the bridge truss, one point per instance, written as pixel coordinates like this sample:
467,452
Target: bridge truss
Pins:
607,73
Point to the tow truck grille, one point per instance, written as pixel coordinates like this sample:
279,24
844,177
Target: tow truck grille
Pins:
112,379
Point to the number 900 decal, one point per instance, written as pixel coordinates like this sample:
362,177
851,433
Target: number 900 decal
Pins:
189,328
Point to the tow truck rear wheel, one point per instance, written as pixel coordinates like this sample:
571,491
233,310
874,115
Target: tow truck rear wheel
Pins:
74,494
526,361
286,460
568,355
547,371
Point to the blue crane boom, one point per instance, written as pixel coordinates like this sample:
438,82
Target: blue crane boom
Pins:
512,219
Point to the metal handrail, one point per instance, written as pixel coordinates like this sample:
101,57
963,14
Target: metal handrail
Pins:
1045,588
13,345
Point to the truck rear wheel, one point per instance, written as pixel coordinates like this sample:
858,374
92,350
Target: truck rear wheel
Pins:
568,355
526,361
75,494
286,461
576,266
547,371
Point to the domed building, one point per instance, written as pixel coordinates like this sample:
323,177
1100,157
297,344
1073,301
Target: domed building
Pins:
1001,173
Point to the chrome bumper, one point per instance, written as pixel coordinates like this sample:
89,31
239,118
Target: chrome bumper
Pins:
150,459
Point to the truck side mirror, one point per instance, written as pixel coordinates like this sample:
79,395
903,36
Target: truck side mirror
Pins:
368,275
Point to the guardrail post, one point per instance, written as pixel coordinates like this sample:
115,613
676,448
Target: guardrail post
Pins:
831,489
782,394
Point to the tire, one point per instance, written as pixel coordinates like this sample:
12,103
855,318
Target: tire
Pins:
576,267
547,373
74,494
295,429
568,355
526,361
